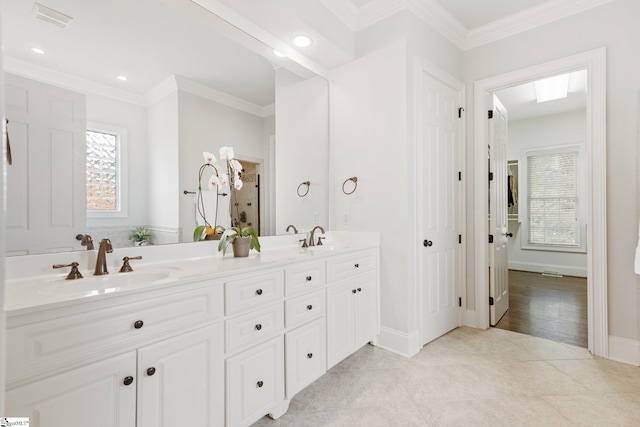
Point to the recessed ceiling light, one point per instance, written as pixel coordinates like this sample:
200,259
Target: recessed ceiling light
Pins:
123,78
37,50
279,54
553,88
302,40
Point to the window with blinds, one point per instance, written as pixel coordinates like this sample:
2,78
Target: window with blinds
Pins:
553,205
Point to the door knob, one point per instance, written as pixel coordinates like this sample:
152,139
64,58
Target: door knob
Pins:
427,243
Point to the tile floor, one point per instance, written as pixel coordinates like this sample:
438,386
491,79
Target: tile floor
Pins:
471,377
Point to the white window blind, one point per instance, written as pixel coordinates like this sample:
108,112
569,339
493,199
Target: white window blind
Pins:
552,178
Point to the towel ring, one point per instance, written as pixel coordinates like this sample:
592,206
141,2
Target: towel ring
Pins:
353,179
308,184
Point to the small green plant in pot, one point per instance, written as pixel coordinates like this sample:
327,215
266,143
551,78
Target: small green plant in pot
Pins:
140,236
205,232
242,238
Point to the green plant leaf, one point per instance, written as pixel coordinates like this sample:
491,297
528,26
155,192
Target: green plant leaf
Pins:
198,233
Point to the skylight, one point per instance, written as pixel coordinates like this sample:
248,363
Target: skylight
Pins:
552,88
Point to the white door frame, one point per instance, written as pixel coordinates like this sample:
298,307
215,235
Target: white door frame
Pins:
424,66
595,63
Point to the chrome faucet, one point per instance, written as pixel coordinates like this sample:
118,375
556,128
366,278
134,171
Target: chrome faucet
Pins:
290,226
311,242
101,261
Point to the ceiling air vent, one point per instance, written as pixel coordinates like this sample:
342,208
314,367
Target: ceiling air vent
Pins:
51,16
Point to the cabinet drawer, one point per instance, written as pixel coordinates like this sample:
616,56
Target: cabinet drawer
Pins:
46,345
254,327
303,308
253,292
306,354
305,277
255,382
349,265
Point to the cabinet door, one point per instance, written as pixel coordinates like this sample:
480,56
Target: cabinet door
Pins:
306,355
255,382
340,322
366,309
181,380
94,395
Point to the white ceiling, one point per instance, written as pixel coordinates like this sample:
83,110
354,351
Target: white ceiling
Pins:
476,13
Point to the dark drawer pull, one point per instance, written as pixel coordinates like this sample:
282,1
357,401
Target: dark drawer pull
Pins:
258,326
128,380
259,292
356,265
359,289
308,278
259,384
353,291
309,307
309,355
151,371
138,324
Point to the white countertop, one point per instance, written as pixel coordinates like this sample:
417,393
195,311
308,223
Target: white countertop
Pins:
161,267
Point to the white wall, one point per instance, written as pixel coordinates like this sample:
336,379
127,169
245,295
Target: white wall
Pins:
2,234
205,125
162,152
613,25
537,133
372,137
301,151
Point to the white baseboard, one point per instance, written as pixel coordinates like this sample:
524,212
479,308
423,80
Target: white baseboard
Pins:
470,319
624,350
565,270
402,343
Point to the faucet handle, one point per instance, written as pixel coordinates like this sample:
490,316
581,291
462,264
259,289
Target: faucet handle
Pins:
304,243
320,239
126,267
74,273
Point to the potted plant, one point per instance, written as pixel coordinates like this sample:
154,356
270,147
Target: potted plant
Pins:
242,238
140,236
206,232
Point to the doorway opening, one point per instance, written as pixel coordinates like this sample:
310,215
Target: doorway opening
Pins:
545,206
246,203
594,63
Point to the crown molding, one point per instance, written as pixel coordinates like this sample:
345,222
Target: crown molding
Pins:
219,97
68,81
269,110
440,19
550,11
168,86
378,10
346,11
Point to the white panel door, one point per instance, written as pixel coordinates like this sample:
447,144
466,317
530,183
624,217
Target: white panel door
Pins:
340,322
498,258
181,380
440,195
46,195
95,395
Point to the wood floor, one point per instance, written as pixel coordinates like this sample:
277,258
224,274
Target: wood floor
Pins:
547,307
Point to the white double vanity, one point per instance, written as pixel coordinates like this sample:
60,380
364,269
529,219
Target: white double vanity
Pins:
189,338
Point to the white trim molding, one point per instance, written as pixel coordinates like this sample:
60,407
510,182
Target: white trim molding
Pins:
402,343
594,62
624,350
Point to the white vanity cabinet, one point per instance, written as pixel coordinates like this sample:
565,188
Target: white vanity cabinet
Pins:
352,304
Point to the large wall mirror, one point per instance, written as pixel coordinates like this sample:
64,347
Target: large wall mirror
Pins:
127,95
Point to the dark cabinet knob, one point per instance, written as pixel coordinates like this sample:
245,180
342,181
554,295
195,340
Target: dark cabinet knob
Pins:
259,384
128,380
353,291
151,371
356,265
359,289
309,307
509,234
259,292
258,327
138,324
427,243
308,278
309,355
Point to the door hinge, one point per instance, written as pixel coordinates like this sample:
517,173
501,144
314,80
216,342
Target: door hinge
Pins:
490,114
460,110
460,302
459,176
460,238
490,238
490,176
490,300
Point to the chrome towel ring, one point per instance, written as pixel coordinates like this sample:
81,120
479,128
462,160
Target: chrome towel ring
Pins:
354,180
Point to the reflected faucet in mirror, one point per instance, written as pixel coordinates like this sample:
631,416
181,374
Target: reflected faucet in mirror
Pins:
311,242
85,240
290,226
101,262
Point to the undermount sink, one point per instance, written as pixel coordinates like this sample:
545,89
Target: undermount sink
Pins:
107,281
327,248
